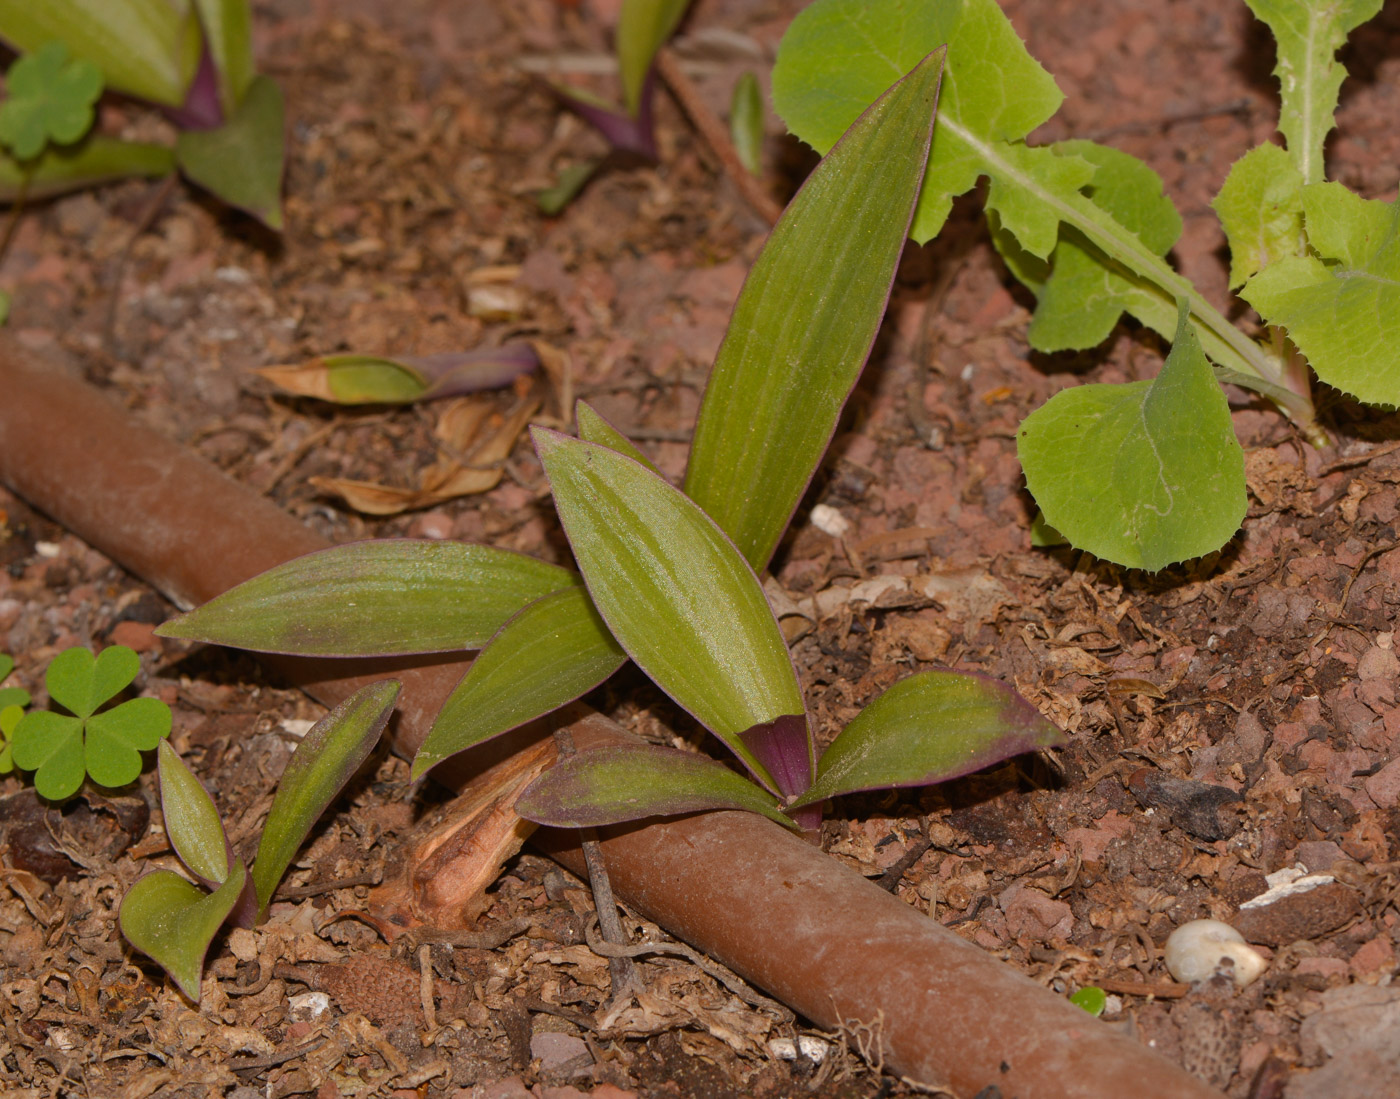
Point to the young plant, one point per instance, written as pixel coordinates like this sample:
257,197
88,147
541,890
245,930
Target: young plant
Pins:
105,744
193,60
668,577
172,919
1150,473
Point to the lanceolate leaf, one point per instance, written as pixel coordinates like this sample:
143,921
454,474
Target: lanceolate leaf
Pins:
1260,206
929,728
806,319
612,785
642,28
241,161
370,379
549,654
746,123
1144,474
325,760
174,921
1343,310
1308,34
378,598
593,428
192,821
673,591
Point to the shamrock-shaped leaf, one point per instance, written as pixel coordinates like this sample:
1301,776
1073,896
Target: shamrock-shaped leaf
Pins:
108,746
173,921
50,99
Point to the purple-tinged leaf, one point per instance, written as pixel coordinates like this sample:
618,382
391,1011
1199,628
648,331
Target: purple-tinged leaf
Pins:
387,597
642,29
191,820
556,649
929,728
201,109
612,785
376,379
228,39
785,748
173,921
806,319
325,760
624,132
241,162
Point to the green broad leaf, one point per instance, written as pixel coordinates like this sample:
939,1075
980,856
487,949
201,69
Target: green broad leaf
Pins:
228,33
325,760
673,590
642,29
807,316
1342,310
1260,206
387,597
81,682
173,921
1091,998
1144,474
146,48
49,97
593,428
929,728
50,745
746,123
191,820
9,719
116,738
611,785
93,161
556,649
1308,34
241,162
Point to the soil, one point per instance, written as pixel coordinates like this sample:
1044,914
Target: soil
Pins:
1227,720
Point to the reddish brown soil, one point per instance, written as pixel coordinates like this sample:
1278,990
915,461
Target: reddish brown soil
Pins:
1268,670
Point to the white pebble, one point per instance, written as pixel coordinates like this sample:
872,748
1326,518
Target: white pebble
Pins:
830,521
1198,950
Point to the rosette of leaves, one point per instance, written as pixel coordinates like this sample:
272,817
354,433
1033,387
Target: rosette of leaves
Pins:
668,576
173,919
105,744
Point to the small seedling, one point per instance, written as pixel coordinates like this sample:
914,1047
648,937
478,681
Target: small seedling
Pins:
1149,473
668,577
104,744
1092,999
173,920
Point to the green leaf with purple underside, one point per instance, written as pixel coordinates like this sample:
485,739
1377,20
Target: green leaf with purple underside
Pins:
806,319
928,728
556,649
325,760
612,785
241,161
173,921
387,597
191,820
642,28
673,590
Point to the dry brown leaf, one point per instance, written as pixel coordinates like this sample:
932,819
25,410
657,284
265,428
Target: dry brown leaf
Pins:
308,379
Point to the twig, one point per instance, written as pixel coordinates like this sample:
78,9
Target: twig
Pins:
712,130
272,1060
315,889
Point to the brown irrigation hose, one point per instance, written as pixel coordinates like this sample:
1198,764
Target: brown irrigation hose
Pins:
830,944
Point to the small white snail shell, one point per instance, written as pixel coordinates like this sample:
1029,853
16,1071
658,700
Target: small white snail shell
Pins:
1198,950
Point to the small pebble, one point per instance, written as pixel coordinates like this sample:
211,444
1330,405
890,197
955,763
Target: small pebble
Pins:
1198,950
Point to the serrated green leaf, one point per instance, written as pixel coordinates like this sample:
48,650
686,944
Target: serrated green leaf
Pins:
746,123
191,819
673,590
228,32
612,785
93,161
81,682
146,48
1309,33
49,97
593,428
806,319
1144,474
1260,206
325,760
1343,310
642,28
556,649
115,739
386,597
173,921
9,718
50,745
241,162
928,728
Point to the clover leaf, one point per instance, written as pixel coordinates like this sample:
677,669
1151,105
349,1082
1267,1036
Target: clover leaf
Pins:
50,99
60,749
9,718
